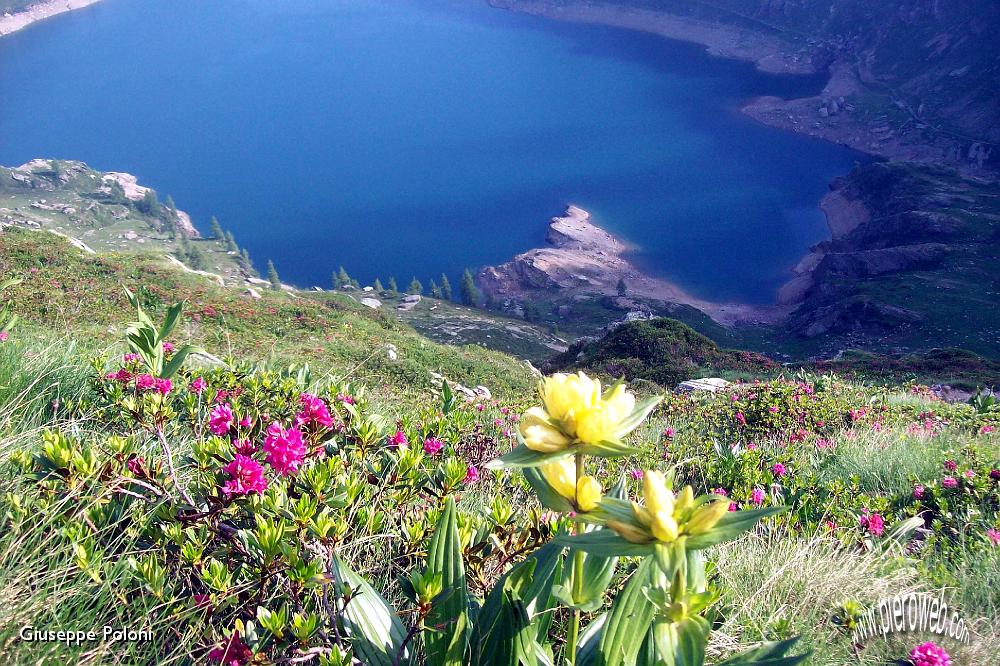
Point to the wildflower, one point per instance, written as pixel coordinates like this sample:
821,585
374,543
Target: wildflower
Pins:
741,418
145,382
480,406
950,465
123,376
823,443
751,446
949,482
668,433
247,476
929,654
918,491
995,474
779,470
234,652
135,464
246,422
873,523
3,336
757,496
969,474
162,386
773,409
830,525
585,493
636,474
539,434
433,446
986,429
284,449
168,348
197,385
314,410
244,446
220,419
471,475
345,399
130,358
398,440
993,535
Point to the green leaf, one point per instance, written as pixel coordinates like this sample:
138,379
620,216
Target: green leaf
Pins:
447,645
638,415
607,543
170,321
546,494
369,621
768,654
628,621
522,456
587,649
731,526
177,360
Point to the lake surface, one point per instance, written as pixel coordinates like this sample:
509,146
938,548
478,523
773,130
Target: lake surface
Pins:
411,137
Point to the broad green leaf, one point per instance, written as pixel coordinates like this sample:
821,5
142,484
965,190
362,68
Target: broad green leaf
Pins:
638,415
607,543
369,621
546,494
590,639
768,654
447,645
177,360
628,620
522,456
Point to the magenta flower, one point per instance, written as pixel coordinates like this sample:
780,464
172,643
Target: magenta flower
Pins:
244,447
246,476
123,376
346,399
969,474
636,474
949,482
773,409
993,535
757,496
433,446
873,523
995,474
742,419
398,440
284,449
472,475
168,348
950,465
480,407
986,429
314,410
3,336
918,491
198,385
779,470
145,382
668,433
721,491
929,654
220,419
135,464
234,652
130,358
162,386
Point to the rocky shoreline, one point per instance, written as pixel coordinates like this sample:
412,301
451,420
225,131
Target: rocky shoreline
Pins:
10,23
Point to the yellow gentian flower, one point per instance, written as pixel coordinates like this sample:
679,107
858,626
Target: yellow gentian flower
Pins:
565,395
706,517
539,435
588,493
585,493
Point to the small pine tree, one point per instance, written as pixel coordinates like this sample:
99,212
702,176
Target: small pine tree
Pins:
215,228
531,312
622,287
171,206
470,293
393,287
445,287
378,286
231,245
149,204
196,258
415,286
341,279
272,276
435,289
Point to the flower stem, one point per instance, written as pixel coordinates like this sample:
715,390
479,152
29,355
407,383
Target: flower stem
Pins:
577,583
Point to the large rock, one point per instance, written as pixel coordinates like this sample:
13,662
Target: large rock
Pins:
869,263
372,303
706,384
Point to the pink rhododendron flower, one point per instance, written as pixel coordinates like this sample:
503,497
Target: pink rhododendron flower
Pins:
995,474
3,336
135,464
198,385
949,482
636,474
969,474
130,358
823,443
830,525
346,399
220,419
757,496
950,465
314,410
233,652
433,446
873,523
163,386
284,449
985,430
993,535
480,406
145,382
246,422
398,440
244,447
220,396
742,419
918,491
779,470
668,433
773,409
123,376
472,475
929,654
247,476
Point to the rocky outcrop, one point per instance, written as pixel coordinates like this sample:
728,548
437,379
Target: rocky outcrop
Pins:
853,315
869,263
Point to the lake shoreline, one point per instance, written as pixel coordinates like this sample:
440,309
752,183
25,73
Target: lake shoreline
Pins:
11,23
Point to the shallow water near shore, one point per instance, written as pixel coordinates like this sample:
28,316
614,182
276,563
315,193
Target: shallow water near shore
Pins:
411,137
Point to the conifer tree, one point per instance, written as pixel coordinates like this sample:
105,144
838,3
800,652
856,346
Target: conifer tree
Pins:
272,276
215,228
435,289
470,293
393,287
622,287
445,287
149,204
231,245
415,286
378,286
341,279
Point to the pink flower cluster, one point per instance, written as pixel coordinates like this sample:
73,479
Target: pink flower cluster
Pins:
873,523
246,476
929,654
221,419
314,411
284,449
148,382
433,446
397,440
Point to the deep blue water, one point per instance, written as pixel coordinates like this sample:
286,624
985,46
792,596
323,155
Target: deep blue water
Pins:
411,137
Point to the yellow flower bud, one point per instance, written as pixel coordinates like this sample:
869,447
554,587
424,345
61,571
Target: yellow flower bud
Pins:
664,527
595,424
621,402
658,496
642,514
628,531
706,517
565,395
539,435
561,476
685,500
588,493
